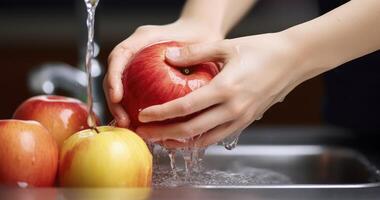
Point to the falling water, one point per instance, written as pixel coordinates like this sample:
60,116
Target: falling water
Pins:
91,7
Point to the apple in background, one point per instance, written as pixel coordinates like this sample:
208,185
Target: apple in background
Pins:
62,116
28,154
114,157
150,80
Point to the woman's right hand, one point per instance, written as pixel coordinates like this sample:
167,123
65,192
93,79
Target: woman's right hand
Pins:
183,30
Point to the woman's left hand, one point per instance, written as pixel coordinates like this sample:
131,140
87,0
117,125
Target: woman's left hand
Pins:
258,71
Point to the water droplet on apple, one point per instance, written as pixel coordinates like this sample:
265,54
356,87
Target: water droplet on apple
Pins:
22,184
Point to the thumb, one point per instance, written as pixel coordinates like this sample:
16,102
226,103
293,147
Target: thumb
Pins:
197,53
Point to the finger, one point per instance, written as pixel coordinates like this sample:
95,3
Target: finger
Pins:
186,130
173,144
219,133
117,62
197,53
195,101
119,59
117,111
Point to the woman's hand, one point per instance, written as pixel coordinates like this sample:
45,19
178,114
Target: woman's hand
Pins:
183,30
258,71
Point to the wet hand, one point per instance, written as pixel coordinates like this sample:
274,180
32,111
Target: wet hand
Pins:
143,36
257,72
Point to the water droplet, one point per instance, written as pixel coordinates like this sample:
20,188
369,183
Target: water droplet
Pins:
231,142
259,118
22,184
281,99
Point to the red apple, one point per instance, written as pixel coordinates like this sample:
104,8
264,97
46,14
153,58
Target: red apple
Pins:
62,116
150,80
28,154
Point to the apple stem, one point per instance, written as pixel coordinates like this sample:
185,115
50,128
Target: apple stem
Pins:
96,130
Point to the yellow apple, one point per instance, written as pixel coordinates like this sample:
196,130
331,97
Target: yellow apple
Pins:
114,157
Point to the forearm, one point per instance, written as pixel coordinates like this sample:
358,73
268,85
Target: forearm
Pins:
346,33
219,15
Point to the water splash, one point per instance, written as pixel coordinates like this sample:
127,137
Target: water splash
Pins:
246,177
22,184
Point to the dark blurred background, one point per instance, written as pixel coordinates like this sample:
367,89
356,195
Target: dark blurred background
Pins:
40,31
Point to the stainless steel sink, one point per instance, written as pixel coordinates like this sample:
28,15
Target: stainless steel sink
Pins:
307,166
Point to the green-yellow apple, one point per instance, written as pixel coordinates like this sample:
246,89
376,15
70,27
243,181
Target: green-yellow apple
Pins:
112,157
28,154
62,116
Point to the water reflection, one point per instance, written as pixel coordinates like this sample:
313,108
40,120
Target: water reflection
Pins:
75,193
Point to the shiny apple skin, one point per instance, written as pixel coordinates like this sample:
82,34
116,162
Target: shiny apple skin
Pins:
149,80
114,157
62,116
28,153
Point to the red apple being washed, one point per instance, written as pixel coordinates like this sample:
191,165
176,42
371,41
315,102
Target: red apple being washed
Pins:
150,80
28,154
62,116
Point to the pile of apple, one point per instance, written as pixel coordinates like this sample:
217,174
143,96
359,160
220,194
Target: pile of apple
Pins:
42,143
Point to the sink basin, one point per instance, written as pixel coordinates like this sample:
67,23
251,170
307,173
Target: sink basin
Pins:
306,166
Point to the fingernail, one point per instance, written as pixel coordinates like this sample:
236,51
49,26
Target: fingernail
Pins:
144,118
173,53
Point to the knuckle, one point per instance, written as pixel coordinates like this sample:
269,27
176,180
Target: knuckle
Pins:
110,57
122,49
228,86
246,119
184,108
187,51
105,83
157,115
190,129
224,47
235,109
186,129
144,29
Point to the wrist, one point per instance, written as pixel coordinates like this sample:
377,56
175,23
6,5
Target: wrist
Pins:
207,27
306,62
